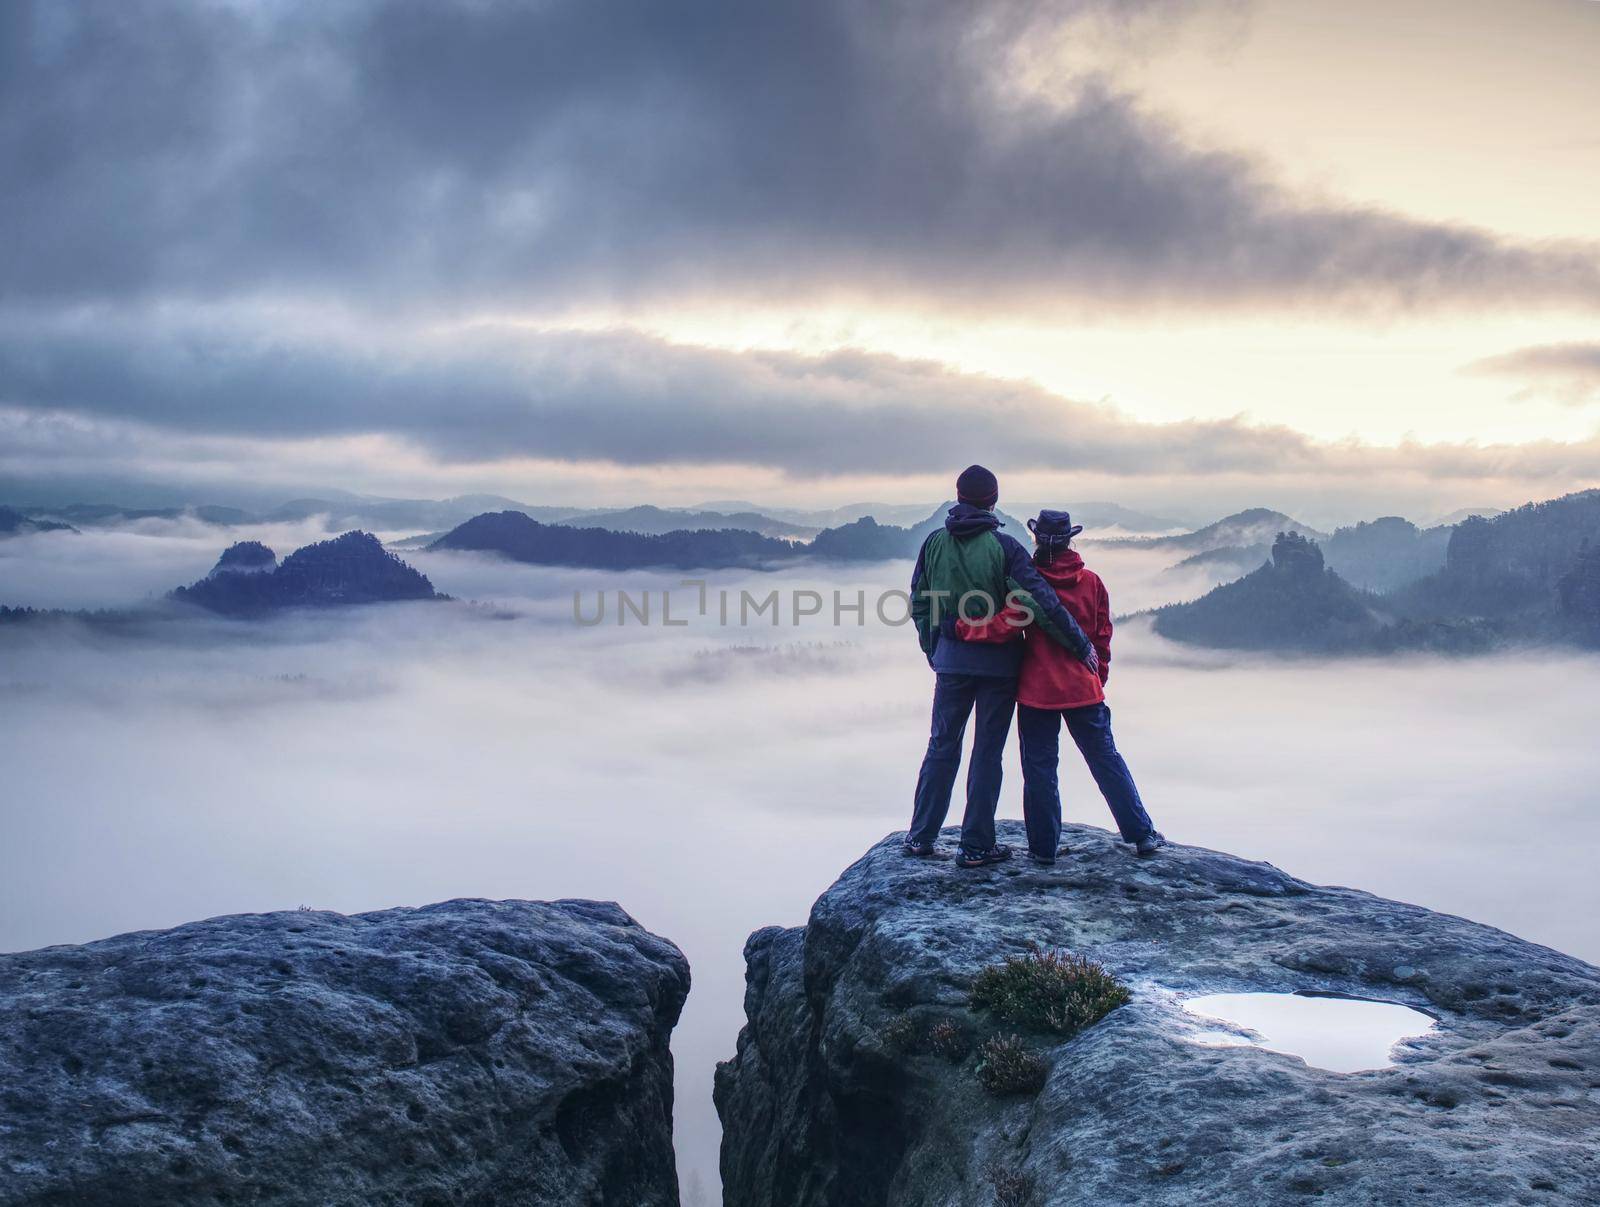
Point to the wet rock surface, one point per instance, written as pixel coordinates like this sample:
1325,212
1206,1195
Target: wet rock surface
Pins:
825,1103
483,1052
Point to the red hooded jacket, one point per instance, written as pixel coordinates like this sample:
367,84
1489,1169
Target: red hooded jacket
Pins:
1051,676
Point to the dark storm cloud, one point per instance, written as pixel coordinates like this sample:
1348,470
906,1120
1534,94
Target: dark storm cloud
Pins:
480,153
631,400
1568,372
609,396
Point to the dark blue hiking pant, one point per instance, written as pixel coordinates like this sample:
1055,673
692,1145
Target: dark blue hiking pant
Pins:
954,699
1039,730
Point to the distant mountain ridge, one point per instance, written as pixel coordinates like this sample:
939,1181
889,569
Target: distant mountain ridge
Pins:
890,514
656,521
1091,513
15,523
521,538
1098,514
405,513
108,515
430,519
1376,555
1257,526
1453,518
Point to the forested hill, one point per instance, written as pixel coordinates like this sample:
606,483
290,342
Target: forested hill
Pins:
350,569
865,540
514,535
1532,569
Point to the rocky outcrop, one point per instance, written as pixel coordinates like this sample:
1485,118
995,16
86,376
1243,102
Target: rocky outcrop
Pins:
482,1052
825,1103
245,557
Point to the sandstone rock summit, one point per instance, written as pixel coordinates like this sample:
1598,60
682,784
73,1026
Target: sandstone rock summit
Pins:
861,1074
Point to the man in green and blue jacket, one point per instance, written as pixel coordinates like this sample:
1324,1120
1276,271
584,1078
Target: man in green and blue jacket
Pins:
970,569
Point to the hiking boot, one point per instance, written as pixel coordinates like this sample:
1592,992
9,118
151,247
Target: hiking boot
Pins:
1046,861
1150,843
919,850
998,853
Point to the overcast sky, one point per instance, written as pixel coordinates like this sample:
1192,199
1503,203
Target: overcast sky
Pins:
1340,257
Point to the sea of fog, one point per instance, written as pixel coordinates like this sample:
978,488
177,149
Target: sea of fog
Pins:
713,779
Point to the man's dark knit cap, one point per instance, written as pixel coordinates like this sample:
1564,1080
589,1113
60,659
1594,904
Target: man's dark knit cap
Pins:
978,487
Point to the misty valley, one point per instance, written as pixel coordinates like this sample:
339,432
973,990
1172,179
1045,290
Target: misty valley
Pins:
268,736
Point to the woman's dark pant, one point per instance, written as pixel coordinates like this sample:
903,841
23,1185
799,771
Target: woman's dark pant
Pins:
1040,732
954,699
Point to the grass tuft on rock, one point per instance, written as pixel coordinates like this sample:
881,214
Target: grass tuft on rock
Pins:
1007,1066
1051,991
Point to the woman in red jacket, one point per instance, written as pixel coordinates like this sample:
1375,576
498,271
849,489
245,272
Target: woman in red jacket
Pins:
1054,687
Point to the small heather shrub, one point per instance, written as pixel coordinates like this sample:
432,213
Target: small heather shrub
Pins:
1006,1066
1050,991
1012,1187
902,1033
948,1040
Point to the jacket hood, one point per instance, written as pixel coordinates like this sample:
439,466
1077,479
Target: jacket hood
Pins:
966,520
1064,570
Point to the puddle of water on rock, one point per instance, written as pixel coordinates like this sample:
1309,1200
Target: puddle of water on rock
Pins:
1341,1034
